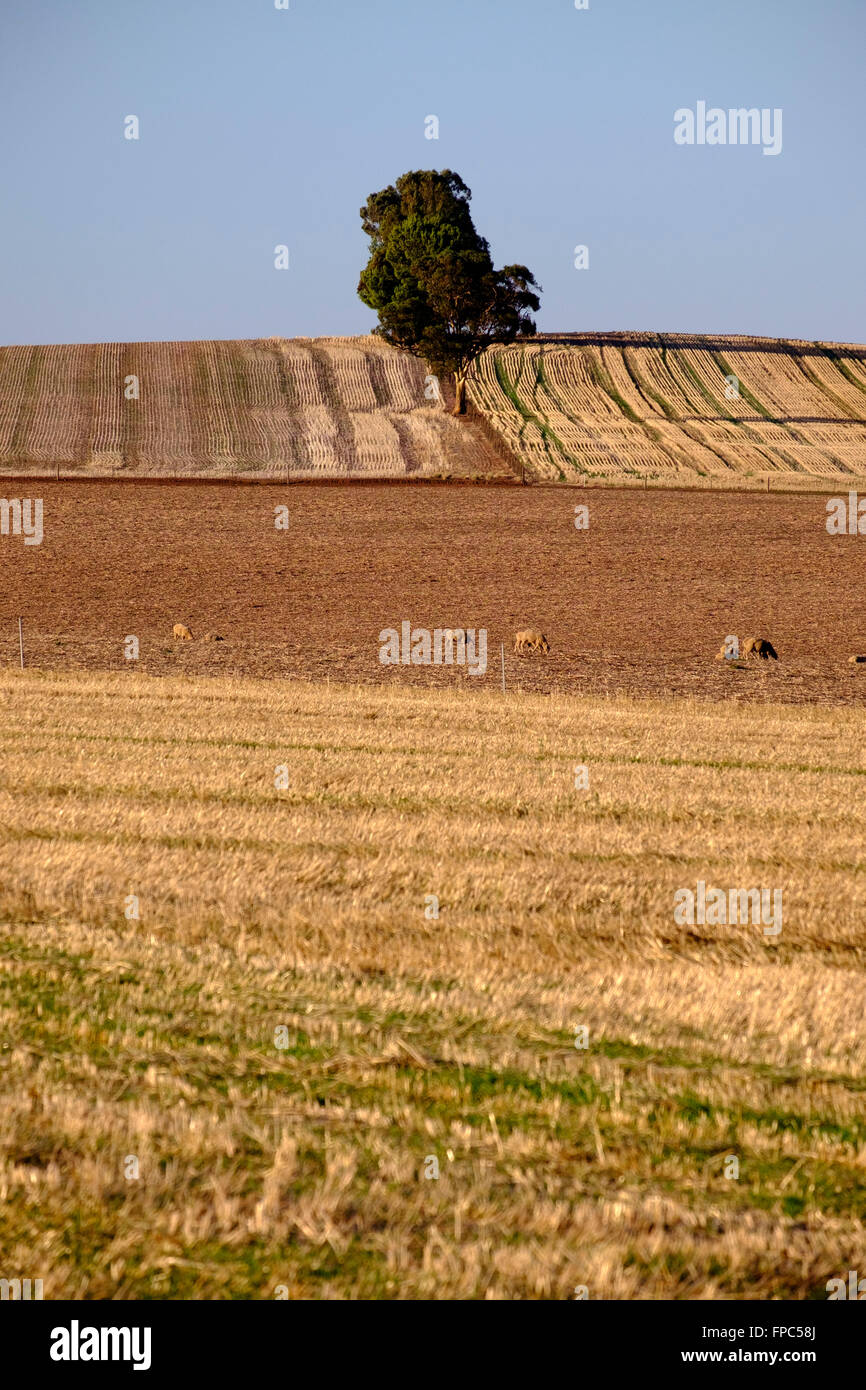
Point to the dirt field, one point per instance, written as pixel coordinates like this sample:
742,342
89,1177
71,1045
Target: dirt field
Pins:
638,603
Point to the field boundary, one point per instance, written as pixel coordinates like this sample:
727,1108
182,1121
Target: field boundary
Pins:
775,483
711,342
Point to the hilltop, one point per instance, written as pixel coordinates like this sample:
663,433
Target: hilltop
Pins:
314,407
612,404
671,407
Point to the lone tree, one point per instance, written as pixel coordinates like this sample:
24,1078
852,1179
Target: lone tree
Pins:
431,280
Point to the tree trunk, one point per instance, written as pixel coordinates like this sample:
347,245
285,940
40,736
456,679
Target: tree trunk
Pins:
459,394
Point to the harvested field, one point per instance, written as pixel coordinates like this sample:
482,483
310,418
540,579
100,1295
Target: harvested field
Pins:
639,603
303,407
614,405
299,1160
568,406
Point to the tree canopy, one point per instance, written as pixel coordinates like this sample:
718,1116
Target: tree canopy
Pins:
431,280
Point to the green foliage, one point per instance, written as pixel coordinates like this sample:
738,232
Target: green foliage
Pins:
430,276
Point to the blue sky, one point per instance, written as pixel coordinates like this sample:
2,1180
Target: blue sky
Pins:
261,127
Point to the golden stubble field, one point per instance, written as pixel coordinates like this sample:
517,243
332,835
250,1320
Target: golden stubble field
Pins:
664,406
246,1090
679,408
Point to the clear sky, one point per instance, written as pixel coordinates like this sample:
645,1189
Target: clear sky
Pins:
261,127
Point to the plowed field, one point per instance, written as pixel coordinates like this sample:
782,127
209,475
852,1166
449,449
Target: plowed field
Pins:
640,602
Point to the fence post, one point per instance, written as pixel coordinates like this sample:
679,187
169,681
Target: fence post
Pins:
21,644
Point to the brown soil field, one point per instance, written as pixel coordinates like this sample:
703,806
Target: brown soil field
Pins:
637,604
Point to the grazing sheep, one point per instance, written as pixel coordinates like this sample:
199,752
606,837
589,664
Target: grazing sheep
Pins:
529,637
760,646
181,632
724,655
213,637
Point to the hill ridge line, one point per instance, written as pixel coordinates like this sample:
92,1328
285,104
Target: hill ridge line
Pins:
619,406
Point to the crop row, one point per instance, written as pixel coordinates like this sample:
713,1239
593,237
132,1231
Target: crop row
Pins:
603,408
309,405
